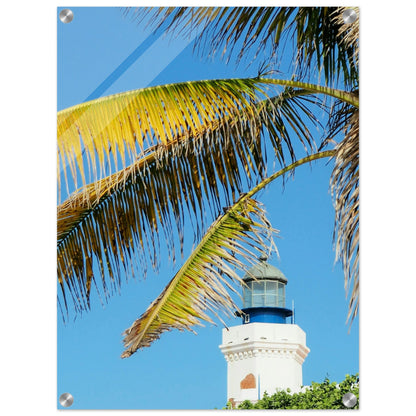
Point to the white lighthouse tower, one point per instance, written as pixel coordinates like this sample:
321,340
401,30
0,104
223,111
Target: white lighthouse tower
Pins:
264,353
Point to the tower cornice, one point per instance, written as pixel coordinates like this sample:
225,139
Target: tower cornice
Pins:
270,349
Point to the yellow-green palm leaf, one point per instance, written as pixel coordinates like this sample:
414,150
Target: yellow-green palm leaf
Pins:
97,136
202,282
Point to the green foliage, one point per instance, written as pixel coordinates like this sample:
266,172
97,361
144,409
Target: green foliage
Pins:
325,395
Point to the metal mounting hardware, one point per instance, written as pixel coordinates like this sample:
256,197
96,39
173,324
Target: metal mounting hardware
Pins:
349,16
349,400
66,15
66,399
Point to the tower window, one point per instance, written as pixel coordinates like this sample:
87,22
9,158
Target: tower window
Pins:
264,293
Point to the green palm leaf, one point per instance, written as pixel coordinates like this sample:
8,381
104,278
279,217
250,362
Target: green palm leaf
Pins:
116,224
201,284
315,33
348,32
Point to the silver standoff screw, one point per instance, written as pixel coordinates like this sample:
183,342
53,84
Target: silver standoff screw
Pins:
349,399
66,399
66,15
349,16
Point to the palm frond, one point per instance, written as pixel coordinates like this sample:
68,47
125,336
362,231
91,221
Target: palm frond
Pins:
348,33
345,193
118,224
99,134
313,33
345,176
202,282
107,132
123,227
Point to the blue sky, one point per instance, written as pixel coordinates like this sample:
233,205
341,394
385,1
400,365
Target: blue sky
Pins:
182,370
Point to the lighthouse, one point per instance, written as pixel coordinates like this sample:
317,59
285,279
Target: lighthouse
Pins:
264,353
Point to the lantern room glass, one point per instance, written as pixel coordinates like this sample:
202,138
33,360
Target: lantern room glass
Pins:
264,293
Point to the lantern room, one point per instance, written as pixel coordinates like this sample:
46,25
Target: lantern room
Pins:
264,294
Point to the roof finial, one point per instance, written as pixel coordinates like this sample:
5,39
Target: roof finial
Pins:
262,257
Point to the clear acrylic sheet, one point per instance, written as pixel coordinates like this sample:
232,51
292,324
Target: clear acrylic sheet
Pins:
144,175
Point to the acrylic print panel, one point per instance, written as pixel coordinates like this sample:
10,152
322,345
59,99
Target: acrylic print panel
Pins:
195,148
